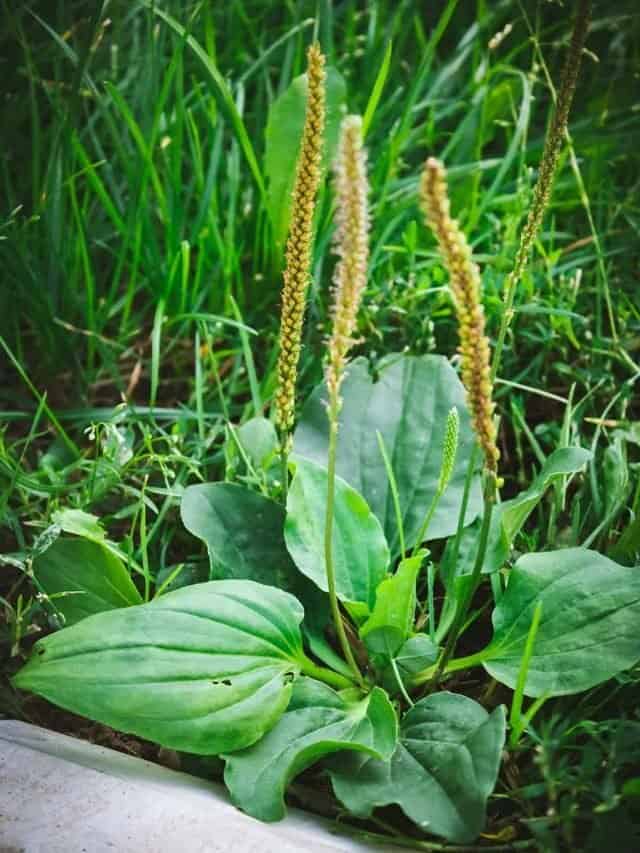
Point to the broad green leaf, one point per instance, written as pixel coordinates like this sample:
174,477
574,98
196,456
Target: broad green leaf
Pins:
79,523
442,772
204,669
282,143
408,405
418,653
562,463
509,517
243,531
317,624
360,551
391,621
259,441
94,578
317,722
590,625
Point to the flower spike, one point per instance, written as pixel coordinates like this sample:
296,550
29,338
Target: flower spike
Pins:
352,236
297,271
465,285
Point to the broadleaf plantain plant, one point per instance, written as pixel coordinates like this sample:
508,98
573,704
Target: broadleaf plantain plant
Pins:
317,638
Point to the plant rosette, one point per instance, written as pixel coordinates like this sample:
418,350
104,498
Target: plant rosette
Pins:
316,641
249,671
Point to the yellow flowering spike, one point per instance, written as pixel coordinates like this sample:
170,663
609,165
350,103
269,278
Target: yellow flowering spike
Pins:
300,241
465,285
352,246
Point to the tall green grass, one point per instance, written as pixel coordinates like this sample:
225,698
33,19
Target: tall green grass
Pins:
134,187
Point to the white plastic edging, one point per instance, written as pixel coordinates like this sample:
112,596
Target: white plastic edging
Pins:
59,794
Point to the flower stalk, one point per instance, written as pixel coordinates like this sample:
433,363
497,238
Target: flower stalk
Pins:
475,356
463,604
298,257
478,373
349,282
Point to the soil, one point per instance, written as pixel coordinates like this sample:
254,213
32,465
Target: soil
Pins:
42,713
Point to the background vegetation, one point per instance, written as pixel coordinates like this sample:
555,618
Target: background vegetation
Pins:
140,277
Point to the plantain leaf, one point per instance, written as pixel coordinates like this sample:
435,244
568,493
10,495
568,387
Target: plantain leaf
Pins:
563,462
243,533
317,722
92,578
79,523
360,551
590,625
391,621
507,521
418,653
408,405
204,669
259,441
441,774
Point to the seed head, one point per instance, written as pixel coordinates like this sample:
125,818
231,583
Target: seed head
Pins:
465,286
352,247
553,142
298,257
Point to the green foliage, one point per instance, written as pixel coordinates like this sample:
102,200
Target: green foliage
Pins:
145,188
205,669
589,626
512,514
219,667
416,654
509,517
84,577
391,621
257,442
242,531
79,523
316,723
360,550
442,772
408,391
588,753
244,535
